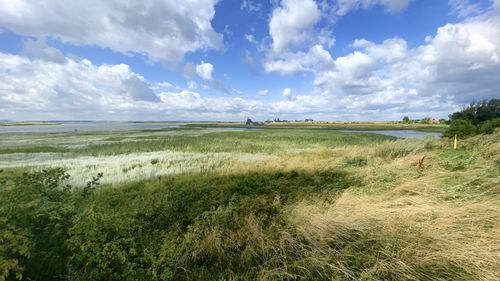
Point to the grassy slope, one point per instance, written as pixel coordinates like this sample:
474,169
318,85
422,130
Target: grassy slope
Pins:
367,211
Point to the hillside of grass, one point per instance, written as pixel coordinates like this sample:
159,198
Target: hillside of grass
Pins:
373,209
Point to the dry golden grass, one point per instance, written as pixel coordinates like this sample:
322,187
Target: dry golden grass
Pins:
431,219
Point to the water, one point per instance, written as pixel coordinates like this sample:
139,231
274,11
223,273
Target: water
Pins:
123,126
404,134
85,127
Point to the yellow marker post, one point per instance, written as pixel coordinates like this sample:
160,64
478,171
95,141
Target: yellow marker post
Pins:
455,143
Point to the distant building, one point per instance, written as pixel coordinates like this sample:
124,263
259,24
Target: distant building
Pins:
250,122
309,120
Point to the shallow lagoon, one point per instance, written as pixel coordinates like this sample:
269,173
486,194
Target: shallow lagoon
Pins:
86,127
110,126
404,134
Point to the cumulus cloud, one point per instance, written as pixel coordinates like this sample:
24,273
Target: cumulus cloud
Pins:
204,70
39,49
459,63
375,80
161,30
314,59
69,85
291,22
79,89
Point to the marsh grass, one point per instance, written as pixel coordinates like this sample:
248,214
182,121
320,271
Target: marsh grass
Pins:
329,126
287,207
33,149
267,141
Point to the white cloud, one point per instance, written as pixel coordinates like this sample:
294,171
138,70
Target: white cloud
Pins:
40,49
459,63
287,93
250,6
78,89
291,22
36,86
390,50
326,38
376,80
263,93
464,8
192,85
161,30
343,7
162,85
496,5
314,59
204,70
250,38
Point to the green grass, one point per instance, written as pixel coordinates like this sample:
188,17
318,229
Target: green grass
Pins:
328,126
33,149
268,141
320,205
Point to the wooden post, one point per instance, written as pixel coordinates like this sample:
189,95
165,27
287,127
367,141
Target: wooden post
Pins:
455,143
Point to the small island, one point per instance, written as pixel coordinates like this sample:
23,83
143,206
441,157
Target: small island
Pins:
29,123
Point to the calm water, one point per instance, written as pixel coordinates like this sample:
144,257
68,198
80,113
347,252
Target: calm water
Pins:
122,126
85,127
405,134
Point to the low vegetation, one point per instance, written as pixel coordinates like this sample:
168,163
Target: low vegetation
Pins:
330,126
310,205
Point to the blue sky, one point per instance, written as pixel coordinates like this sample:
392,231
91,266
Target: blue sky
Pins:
233,59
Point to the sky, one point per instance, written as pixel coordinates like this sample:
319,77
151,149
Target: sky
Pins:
228,60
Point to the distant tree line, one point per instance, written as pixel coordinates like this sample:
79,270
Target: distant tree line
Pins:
481,117
426,120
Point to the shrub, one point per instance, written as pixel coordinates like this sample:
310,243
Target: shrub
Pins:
489,126
461,128
36,212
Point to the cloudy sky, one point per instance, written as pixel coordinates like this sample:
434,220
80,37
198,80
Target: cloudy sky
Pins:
233,59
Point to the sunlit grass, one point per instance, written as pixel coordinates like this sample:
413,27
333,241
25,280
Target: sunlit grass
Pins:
282,205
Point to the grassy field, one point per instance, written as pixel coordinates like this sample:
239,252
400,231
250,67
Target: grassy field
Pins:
137,155
330,125
215,204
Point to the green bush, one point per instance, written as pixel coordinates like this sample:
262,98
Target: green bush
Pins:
36,211
489,126
179,228
461,128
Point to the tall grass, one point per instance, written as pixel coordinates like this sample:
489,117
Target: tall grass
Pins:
268,141
323,207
